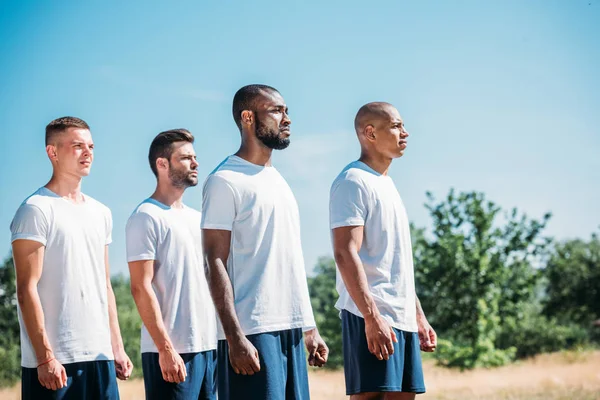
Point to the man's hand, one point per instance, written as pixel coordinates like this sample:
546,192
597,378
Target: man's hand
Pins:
318,352
427,336
243,356
172,366
380,337
52,375
123,365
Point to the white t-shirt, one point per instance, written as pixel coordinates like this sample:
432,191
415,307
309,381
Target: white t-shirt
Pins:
265,263
72,287
172,237
362,196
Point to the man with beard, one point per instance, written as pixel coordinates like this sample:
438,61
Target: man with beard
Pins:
167,278
383,325
254,261
67,311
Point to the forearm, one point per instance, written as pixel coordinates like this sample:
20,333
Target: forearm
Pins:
33,318
115,331
355,279
149,309
420,312
221,292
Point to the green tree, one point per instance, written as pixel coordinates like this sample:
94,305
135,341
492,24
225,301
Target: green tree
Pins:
323,296
129,322
475,274
10,351
573,275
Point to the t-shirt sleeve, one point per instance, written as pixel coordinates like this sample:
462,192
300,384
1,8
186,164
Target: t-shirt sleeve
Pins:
141,237
347,204
109,226
29,223
218,204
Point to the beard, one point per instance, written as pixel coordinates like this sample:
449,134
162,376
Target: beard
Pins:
270,137
181,178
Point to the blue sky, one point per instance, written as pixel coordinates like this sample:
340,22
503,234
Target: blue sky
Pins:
501,97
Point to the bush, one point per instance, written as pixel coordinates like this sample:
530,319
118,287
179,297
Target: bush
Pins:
456,355
323,296
535,334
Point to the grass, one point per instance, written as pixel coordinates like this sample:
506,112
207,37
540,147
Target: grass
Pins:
564,375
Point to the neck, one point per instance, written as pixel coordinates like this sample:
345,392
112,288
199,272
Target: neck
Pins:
67,186
255,152
378,162
169,195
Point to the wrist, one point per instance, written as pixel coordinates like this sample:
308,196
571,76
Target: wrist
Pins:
46,362
44,357
371,315
165,347
234,336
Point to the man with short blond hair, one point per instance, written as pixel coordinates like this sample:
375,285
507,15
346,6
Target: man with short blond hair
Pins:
71,345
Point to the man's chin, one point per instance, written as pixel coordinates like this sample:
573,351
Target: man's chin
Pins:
192,182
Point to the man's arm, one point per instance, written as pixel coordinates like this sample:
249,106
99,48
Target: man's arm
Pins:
427,335
347,241
29,256
123,364
171,364
243,356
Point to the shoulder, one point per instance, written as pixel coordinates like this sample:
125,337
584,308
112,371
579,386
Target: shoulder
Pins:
39,202
147,210
351,177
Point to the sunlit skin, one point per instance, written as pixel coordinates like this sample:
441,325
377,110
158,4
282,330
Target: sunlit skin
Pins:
271,115
71,154
269,122
382,136
175,174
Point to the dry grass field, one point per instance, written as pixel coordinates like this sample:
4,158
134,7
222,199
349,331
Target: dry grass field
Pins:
572,376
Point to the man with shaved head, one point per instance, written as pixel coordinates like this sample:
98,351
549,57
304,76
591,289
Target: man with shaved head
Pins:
383,325
254,261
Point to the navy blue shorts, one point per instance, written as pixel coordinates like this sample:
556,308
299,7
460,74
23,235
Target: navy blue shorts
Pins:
283,374
200,382
403,372
85,380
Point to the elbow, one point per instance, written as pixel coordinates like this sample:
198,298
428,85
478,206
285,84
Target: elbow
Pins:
341,256
137,290
24,293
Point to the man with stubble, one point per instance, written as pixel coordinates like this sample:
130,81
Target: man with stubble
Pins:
251,236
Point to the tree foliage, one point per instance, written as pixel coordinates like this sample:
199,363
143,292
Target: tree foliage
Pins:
573,275
323,297
475,273
10,351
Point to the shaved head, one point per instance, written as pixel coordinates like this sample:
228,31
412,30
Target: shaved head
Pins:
380,130
372,113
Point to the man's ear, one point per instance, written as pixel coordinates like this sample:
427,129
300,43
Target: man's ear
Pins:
162,163
247,117
370,132
51,151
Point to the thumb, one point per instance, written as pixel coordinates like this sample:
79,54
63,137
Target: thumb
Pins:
63,376
394,338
